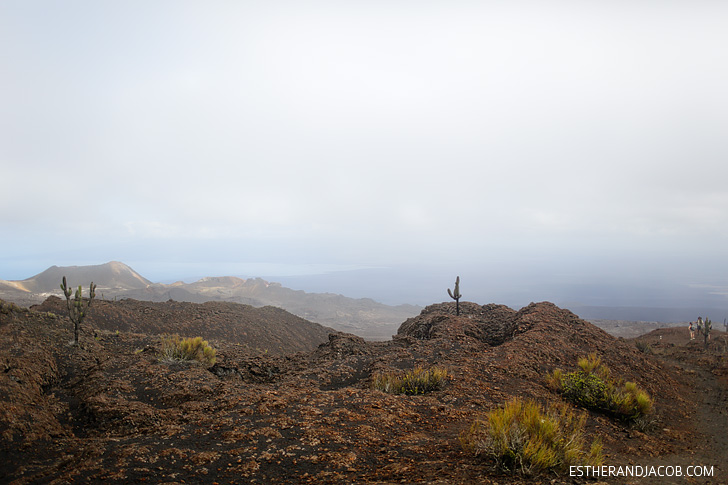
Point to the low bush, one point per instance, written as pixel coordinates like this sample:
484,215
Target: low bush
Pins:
416,381
643,347
8,307
524,437
175,348
593,387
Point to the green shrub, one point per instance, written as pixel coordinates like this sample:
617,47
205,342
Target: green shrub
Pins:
175,348
593,387
416,381
524,437
586,390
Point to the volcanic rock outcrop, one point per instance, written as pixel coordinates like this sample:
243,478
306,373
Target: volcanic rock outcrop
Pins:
492,324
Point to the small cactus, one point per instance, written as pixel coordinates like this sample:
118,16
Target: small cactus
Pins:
76,310
455,295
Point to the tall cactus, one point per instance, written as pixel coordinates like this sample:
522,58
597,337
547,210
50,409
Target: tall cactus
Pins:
76,310
706,331
455,295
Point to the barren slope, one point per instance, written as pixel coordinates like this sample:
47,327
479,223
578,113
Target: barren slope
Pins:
111,411
269,329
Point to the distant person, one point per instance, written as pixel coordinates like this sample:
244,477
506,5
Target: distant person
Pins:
700,325
691,327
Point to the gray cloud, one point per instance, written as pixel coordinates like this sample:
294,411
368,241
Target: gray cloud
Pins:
364,134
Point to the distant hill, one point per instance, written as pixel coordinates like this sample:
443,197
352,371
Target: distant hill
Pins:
363,317
112,276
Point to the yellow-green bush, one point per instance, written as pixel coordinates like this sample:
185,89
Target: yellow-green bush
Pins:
593,387
524,437
416,381
187,349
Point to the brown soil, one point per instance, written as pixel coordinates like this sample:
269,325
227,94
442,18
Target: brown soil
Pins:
111,411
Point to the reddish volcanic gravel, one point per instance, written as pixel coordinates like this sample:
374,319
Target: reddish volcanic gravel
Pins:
110,411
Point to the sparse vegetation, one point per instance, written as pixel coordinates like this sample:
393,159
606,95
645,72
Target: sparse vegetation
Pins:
177,349
416,381
593,387
8,307
77,310
524,437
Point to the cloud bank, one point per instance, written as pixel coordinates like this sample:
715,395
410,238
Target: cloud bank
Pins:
512,134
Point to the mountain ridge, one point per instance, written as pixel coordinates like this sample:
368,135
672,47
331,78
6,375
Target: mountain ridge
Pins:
364,317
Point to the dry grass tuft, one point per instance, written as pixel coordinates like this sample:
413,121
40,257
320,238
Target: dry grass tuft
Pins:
524,437
176,349
416,381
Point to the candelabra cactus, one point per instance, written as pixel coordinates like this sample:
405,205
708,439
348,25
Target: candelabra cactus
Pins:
706,331
77,311
455,295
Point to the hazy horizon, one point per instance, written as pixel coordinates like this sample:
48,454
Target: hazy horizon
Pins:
610,299
567,151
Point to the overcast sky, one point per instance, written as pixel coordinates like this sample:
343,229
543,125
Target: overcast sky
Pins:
570,141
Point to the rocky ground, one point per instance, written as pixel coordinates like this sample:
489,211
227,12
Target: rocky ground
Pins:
111,411
267,329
